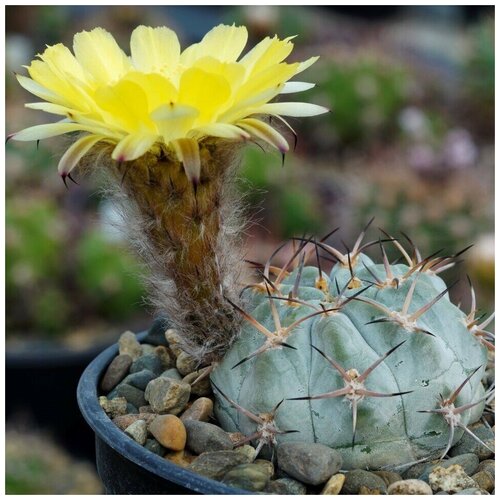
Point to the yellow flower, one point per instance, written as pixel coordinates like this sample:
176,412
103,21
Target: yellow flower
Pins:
160,97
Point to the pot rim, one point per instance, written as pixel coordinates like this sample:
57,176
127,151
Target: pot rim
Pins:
101,424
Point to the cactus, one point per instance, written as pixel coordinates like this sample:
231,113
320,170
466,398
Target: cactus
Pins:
371,359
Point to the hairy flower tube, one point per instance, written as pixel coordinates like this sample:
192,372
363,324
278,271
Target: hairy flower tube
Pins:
162,97
168,125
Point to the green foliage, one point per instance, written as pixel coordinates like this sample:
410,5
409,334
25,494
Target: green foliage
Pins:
365,97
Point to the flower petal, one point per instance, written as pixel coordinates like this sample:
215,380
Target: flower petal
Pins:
265,132
305,64
158,89
222,42
39,132
268,52
291,109
48,107
100,56
291,87
174,120
204,91
188,152
36,89
76,152
224,130
154,49
133,146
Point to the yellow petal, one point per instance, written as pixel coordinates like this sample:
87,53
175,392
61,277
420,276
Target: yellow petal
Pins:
100,56
76,152
125,105
60,60
188,152
291,109
204,91
133,146
157,88
265,132
306,64
268,52
173,121
224,130
48,107
39,132
222,42
154,49
37,89
234,73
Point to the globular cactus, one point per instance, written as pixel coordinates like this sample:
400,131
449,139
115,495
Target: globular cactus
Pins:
373,359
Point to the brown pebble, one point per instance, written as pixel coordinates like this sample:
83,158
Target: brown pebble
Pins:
201,388
185,363
116,372
388,476
145,409
363,490
166,357
236,437
181,458
334,485
487,465
113,407
174,341
201,409
169,431
123,421
128,344
484,480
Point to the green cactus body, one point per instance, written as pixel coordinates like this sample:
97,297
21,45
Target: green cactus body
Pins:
389,430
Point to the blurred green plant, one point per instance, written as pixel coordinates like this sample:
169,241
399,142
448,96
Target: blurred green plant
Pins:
289,205
365,96
49,292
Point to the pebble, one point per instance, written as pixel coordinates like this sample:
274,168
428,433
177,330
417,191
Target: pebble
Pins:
236,437
128,344
156,334
247,451
171,373
185,363
137,431
131,409
149,362
166,358
115,372
167,395
113,407
202,437
286,486
250,477
169,431
201,388
360,481
147,349
145,409
488,466
140,379
472,491
468,444
155,447
123,421
451,479
180,458
484,480
174,341
409,487
201,409
310,463
334,485
266,464
389,477
215,464
468,461
131,394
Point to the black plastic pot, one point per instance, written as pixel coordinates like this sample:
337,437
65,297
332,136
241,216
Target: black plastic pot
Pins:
41,380
124,466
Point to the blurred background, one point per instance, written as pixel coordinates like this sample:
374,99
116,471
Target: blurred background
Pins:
410,140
